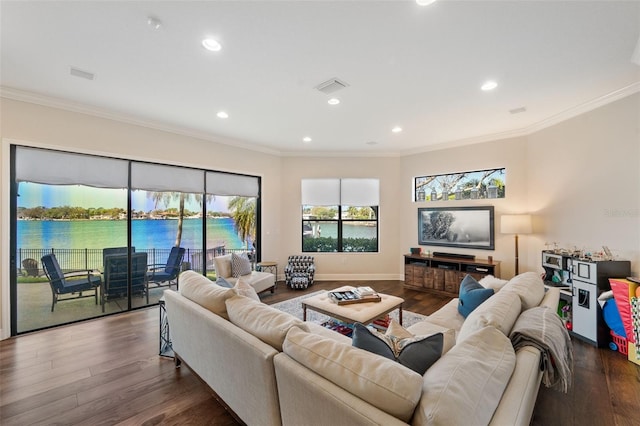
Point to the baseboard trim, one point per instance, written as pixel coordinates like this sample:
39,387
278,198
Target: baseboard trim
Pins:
358,277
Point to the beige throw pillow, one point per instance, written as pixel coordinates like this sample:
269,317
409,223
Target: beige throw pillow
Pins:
379,381
465,386
262,321
500,311
243,288
529,286
209,295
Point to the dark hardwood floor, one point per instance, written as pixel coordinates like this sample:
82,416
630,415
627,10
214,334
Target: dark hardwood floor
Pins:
107,371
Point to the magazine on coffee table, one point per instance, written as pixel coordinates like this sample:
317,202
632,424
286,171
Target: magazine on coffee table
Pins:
348,297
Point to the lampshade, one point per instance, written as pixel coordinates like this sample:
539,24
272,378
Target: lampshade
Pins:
515,224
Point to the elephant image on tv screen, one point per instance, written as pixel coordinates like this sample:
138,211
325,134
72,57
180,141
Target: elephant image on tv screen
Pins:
464,227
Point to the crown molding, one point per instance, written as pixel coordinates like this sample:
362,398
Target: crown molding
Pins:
536,127
24,96
64,104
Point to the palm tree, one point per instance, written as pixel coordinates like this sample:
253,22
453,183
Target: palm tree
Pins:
167,197
243,211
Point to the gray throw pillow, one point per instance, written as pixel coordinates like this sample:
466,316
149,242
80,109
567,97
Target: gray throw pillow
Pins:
416,353
240,265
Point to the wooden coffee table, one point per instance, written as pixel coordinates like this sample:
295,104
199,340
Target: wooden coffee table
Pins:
364,313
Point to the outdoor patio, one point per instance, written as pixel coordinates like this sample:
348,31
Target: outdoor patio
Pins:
34,306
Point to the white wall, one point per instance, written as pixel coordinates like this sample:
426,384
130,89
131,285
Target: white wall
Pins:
584,181
508,153
339,266
580,178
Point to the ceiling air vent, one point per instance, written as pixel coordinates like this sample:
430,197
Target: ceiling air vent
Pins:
517,110
331,85
82,74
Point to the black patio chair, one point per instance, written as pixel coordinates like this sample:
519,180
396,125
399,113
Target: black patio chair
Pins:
116,273
61,284
166,275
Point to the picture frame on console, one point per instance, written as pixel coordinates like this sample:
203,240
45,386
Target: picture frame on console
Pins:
462,227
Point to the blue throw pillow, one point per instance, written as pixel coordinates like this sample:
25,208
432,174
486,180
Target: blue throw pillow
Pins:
416,353
472,294
223,283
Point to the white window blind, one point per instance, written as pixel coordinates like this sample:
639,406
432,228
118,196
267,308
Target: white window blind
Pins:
320,192
63,168
229,184
159,178
359,192
346,192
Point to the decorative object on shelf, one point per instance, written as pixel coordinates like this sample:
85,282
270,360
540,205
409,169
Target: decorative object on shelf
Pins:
517,224
479,184
466,227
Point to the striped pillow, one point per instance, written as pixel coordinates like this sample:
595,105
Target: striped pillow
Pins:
240,265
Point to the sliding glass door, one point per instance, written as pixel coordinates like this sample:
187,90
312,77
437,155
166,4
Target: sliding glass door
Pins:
92,236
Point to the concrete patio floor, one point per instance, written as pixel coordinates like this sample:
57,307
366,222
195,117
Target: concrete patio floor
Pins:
34,306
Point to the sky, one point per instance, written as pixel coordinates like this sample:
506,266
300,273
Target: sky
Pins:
34,195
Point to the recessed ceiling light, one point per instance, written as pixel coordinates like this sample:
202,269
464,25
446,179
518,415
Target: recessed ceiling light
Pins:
425,2
333,101
211,44
306,139
154,23
396,129
489,85
222,114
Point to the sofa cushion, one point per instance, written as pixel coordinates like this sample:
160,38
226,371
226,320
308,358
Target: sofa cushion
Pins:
264,322
489,281
448,316
379,381
529,287
427,328
465,386
199,289
415,352
240,265
500,311
472,294
222,265
243,288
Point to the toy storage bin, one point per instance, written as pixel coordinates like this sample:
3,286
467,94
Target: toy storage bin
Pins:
620,344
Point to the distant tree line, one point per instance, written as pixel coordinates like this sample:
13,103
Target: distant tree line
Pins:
80,213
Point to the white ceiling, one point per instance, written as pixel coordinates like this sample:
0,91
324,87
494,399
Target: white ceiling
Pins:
420,68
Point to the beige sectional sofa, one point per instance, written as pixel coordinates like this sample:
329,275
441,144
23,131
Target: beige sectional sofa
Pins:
270,368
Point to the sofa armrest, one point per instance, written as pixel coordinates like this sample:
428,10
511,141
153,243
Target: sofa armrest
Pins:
226,358
519,398
551,298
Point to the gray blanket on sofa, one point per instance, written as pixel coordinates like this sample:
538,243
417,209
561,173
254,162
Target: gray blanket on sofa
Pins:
542,328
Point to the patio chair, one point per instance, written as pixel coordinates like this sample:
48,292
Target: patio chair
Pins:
299,272
166,275
30,267
116,273
61,284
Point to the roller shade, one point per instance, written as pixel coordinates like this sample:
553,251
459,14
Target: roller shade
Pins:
62,168
159,178
320,192
230,184
346,192
359,192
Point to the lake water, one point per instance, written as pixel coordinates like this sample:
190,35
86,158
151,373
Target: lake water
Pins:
146,234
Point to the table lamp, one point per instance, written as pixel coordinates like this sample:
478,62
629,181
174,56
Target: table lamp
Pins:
515,224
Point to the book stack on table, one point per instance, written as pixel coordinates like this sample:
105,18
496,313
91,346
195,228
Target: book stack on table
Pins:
358,295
